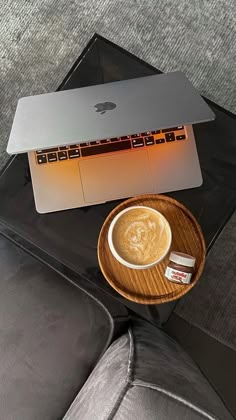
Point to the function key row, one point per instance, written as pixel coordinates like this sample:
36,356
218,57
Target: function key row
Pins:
114,139
57,149
169,131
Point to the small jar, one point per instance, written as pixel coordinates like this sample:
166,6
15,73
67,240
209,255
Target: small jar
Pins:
180,267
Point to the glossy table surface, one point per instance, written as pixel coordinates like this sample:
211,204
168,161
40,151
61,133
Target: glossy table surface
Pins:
68,240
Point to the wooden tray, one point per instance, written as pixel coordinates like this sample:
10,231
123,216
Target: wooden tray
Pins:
150,286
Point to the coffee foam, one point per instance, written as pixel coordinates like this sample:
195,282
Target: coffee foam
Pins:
141,236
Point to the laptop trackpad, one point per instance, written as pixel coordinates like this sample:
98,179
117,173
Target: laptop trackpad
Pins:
117,176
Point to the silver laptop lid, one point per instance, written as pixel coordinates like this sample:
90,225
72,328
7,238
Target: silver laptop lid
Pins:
105,111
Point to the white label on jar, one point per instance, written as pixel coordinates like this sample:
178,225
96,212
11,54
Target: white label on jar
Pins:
178,276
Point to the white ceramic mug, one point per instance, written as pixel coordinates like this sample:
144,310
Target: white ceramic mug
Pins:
116,254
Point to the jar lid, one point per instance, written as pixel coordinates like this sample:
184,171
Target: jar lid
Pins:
182,259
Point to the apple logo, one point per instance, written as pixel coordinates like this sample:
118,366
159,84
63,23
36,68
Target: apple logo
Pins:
104,106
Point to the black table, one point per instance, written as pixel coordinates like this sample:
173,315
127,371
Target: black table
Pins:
67,240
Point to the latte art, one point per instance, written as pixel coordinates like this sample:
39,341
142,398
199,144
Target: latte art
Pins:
141,236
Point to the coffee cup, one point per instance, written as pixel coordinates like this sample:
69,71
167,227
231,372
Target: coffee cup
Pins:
139,237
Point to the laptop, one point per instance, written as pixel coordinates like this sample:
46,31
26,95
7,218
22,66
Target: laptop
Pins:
95,144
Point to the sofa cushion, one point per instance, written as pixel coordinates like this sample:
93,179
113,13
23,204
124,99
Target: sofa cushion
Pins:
146,375
51,336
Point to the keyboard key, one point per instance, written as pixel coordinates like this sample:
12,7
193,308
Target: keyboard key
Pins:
105,141
149,140
182,137
106,148
159,141
115,139
64,147
52,157
166,130
94,142
170,137
74,146
156,132
144,134
138,142
133,136
54,149
42,159
62,155
84,144
74,154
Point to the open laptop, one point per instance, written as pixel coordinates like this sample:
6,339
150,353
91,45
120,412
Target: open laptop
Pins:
94,144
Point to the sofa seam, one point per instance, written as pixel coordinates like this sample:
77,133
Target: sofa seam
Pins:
128,379
173,396
130,367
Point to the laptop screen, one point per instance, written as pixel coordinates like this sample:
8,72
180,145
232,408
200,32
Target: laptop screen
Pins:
106,111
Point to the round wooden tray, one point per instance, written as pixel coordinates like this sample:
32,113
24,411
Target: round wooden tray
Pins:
150,286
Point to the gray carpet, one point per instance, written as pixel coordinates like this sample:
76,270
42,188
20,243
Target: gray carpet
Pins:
210,305
41,39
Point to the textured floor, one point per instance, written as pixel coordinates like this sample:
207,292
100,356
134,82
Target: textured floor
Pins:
40,40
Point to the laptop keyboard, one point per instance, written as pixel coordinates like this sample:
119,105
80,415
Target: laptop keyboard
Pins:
116,144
